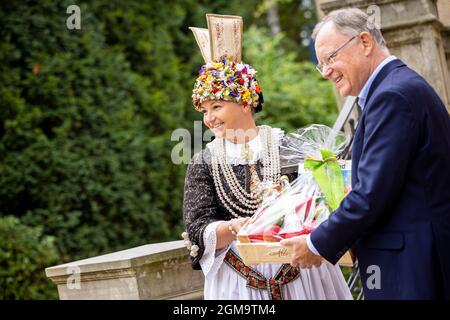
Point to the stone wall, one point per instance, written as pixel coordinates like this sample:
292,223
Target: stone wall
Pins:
446,44
444,11
154,271
444,17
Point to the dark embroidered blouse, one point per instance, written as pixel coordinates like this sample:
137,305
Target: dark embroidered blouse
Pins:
201,204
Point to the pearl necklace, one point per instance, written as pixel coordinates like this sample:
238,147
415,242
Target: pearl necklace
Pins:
248,202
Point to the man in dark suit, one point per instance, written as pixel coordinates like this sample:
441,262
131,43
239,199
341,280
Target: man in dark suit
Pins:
397,216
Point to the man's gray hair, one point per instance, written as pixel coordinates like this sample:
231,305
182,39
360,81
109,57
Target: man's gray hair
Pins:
351,22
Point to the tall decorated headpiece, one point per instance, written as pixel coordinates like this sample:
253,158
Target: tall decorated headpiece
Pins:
224,76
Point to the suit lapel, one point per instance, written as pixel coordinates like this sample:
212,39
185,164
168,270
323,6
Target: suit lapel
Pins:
359,134
397,63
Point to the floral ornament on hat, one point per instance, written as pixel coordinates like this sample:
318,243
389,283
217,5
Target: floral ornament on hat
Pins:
230,81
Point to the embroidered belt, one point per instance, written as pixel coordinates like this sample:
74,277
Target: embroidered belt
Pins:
256,280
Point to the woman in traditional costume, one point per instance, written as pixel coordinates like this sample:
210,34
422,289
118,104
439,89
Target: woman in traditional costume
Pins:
226,183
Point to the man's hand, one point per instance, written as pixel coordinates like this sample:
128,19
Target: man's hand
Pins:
301,254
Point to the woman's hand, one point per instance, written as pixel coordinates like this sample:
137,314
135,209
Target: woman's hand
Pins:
226,231
237,224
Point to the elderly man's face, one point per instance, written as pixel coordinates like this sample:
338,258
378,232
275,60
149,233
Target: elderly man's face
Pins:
350,69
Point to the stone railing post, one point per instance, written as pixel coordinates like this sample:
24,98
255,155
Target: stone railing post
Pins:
154,271
414,33
446,42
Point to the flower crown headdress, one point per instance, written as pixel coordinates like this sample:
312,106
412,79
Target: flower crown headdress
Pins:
224,76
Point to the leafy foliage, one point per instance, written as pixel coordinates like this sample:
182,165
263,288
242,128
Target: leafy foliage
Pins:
295,94
24,253
85,142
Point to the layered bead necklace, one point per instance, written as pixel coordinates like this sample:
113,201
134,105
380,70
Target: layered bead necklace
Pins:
248,202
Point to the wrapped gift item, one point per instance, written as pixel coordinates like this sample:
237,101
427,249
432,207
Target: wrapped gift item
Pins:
346,170
300,207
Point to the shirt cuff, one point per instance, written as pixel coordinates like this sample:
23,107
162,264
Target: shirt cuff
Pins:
311,246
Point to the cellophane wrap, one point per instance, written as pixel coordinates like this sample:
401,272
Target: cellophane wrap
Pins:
301,206
296,146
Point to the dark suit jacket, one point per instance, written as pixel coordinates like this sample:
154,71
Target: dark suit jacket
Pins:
397,217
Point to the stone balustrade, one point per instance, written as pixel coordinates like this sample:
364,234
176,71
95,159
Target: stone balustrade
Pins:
446,44
153,271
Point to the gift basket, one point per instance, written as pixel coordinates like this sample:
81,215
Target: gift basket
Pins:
299,207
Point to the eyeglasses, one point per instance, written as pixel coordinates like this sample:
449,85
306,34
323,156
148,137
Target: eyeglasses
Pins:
330,60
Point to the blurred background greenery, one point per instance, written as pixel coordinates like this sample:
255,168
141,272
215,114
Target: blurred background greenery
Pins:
86,118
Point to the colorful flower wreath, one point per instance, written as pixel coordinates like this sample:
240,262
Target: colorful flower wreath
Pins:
230,81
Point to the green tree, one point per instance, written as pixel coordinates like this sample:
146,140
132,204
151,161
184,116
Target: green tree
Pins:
24,253
85,133
295,94
294,18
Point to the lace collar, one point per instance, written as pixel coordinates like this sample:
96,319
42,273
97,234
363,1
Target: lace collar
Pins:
234,151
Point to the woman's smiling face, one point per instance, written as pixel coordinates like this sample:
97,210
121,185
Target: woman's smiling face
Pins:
226,119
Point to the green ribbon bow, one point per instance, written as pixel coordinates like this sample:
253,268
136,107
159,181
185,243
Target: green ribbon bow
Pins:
328,176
